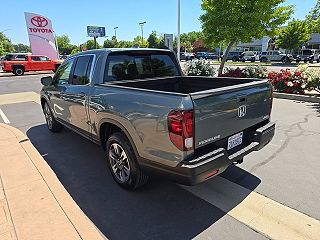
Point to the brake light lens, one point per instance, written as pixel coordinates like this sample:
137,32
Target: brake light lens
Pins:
180,125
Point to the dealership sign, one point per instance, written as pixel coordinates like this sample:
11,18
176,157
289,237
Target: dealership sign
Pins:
41,37
94,31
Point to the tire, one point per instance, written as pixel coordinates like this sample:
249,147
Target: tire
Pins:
234,59
18,71
305,61
52,124
311,61
318,60
126,172
285,60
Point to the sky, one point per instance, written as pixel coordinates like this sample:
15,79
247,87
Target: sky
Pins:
72,17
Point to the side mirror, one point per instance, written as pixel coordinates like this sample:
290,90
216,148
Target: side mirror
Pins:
46,81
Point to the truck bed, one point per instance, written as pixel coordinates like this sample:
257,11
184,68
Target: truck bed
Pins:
184,84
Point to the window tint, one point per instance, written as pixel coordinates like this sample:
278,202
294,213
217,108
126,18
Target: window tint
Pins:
43,58
63,72
82,71
264,53
21,57
125,67
276,53
307,52
35,58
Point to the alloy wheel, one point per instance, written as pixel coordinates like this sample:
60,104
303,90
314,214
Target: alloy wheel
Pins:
119,162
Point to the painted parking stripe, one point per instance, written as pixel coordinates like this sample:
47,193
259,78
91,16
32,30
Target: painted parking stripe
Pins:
19,98
256,211
4,117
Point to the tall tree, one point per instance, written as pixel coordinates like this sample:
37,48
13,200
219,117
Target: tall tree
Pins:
313,18
21,48
64,45
293,35
5,44
153,40
232,21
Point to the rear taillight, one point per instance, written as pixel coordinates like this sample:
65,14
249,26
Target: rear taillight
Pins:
180,124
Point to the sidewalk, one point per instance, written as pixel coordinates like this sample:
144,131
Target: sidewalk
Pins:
33,203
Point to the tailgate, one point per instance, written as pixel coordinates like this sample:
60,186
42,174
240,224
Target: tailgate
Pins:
223,112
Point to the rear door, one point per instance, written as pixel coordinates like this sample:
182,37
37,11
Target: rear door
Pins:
224,112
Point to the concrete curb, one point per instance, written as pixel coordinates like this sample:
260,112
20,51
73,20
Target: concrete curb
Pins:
303,98
79,221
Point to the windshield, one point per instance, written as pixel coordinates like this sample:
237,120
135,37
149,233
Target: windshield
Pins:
140,66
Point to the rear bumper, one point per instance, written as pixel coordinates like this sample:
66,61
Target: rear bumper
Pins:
213,163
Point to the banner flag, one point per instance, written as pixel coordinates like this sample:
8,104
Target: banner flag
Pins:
41,35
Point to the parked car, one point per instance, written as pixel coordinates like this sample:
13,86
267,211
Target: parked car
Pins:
234,56
308,55
151,119
212,56
186,56
203,55
249,56
30,62
276,56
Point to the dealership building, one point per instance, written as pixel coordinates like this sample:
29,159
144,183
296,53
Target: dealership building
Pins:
267,43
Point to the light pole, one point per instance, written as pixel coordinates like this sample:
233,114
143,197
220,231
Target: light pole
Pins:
141,25
115,31
178,38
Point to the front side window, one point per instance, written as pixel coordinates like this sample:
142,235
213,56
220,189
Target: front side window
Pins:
63,73
140,66
81,72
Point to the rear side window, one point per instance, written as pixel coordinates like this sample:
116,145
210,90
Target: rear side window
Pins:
35,58
81,72
139,66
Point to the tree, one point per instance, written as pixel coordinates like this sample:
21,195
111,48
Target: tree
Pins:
90,44
153,40
232,21
293,35
138,40
64,45
5,44
21,48
313,19
109,44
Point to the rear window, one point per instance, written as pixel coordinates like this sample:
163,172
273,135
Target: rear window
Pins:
139,66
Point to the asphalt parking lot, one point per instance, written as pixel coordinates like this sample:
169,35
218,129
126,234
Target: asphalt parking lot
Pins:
284,176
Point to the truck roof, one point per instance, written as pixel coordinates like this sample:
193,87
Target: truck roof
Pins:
106,50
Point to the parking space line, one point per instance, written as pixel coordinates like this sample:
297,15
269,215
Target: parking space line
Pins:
4,117
257,211
19,98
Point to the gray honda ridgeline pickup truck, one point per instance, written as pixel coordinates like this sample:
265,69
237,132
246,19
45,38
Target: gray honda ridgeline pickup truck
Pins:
151,119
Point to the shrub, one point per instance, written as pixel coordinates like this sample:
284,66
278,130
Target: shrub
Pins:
233,72
256,72
247,72
288,82
312,75
199,68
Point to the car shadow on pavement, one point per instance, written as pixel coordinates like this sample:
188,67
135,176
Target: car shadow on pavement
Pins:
316,107
159,210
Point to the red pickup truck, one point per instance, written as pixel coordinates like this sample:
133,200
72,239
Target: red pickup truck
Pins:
30,63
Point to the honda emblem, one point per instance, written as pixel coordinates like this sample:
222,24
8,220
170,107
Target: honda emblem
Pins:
242,111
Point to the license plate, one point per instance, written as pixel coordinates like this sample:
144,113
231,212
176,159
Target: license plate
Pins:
235,140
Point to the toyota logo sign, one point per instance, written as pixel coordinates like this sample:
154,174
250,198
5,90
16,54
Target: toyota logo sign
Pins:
39,21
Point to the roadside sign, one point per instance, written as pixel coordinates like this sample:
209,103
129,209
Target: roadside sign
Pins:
168,41
94,31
